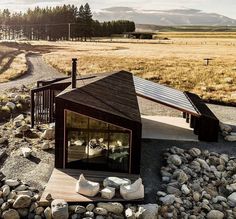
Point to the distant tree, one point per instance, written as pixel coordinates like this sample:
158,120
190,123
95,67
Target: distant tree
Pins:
88,18
52,23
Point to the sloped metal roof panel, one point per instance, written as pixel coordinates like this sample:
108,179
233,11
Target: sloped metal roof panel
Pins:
164,95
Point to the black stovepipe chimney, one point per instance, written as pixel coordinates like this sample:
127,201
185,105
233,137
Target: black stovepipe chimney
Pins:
74,73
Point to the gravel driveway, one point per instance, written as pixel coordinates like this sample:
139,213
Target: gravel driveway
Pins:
38,70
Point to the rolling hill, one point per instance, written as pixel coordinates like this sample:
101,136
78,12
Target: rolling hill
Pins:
175,17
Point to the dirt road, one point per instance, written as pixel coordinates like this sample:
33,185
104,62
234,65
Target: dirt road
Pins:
38,70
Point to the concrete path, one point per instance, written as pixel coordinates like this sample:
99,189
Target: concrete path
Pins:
38,70
165,127
226,114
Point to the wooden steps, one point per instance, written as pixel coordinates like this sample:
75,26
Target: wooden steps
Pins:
62,183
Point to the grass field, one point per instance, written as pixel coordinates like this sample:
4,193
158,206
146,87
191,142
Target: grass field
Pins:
12,62
178,62
217,35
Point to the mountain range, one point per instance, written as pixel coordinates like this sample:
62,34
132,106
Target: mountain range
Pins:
175,17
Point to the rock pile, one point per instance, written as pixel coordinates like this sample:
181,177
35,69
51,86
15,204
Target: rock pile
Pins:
198,184
227,132
24,151
18,200
18,132
102,210
14,102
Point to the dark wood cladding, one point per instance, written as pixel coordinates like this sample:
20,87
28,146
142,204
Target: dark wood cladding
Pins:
207,124
110,98
135,127
113,93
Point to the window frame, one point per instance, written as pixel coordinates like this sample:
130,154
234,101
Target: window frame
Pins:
88,130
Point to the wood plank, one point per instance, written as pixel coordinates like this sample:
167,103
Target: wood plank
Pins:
62,183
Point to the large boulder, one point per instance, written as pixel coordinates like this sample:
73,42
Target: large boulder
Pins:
129,213
113,207
168,199
48,134
86,187
19,118
148,211
3,141
5,190
47,213
133,191
24,128
232,199
175,159
11,105
100,211
195,152
12,182
26,152
225,127
17,98
59,209
79,209
10,214
215,214
231,138
116,182
22,201
182,177
108,192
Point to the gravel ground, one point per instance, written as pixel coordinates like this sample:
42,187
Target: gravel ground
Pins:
34,171
38,70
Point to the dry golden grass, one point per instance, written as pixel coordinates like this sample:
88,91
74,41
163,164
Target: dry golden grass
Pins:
218,35
17,68
178,63
12,62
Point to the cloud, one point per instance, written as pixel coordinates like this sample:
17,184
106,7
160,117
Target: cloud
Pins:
226,7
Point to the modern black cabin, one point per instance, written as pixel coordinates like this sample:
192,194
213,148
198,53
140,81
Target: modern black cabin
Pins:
98,122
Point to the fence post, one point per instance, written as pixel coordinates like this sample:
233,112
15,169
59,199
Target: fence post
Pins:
32,106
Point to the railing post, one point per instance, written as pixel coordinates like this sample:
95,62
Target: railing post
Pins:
50,106
32,106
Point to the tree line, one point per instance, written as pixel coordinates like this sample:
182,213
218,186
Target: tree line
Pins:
66,22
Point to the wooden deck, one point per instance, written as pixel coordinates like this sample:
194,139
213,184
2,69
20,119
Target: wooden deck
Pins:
62,184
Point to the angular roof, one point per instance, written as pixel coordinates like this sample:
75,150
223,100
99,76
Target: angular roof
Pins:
165,95
112,93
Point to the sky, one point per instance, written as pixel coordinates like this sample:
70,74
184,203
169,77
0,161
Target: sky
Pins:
224,7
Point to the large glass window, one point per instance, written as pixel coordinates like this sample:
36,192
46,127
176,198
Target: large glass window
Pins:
94,144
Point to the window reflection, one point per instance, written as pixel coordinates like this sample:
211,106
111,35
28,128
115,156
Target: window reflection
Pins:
94,144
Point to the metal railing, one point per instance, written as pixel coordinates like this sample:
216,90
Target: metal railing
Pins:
43,100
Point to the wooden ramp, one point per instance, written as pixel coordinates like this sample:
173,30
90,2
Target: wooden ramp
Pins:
61,185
